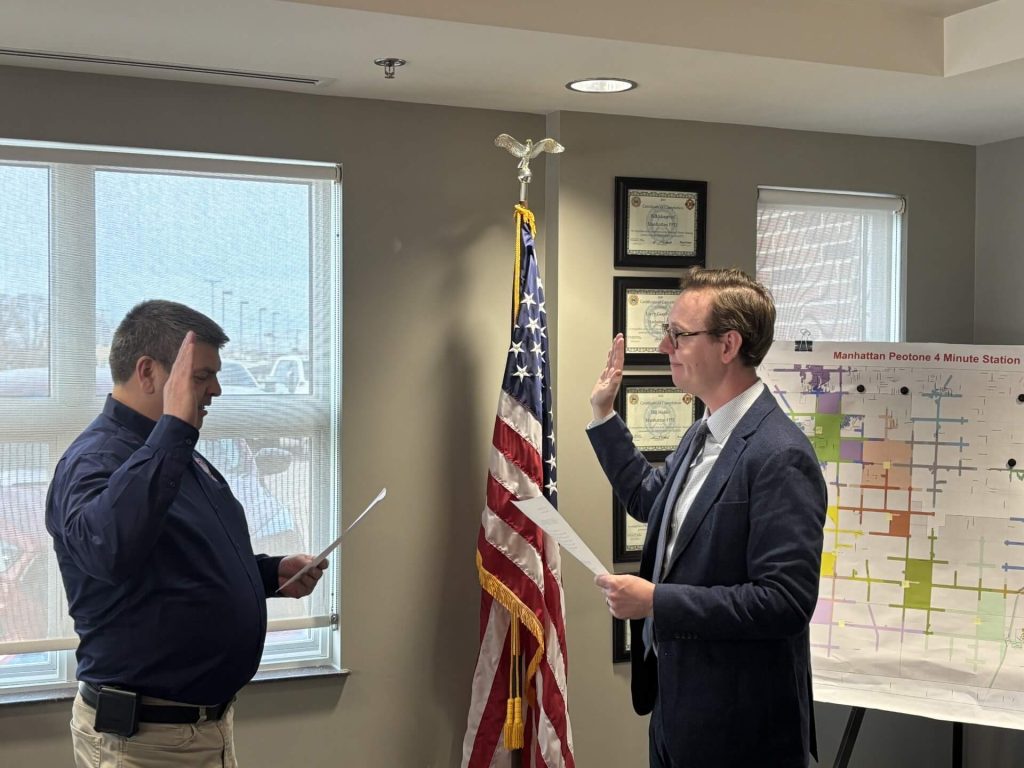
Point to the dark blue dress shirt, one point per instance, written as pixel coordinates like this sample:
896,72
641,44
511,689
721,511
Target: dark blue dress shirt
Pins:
166,594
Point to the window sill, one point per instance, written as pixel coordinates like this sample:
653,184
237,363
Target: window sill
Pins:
67,692
323,670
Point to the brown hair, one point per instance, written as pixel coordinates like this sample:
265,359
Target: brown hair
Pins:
738,303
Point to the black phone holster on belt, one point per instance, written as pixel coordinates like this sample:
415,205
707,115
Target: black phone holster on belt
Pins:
117,712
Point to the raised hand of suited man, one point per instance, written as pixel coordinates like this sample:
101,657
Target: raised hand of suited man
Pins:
602,397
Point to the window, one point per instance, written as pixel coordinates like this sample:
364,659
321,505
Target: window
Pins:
833,262
85,234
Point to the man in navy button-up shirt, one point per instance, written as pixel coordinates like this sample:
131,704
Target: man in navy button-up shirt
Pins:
168,599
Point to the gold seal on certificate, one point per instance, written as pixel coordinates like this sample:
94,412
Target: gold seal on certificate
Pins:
659,222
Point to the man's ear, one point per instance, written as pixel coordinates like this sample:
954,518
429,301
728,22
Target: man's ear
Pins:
732,343
145,373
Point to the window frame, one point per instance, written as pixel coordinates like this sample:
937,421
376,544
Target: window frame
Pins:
802,198
72,402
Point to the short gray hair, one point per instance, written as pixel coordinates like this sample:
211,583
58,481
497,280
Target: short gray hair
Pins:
156,329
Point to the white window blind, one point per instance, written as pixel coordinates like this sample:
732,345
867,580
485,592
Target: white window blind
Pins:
833,262
88,232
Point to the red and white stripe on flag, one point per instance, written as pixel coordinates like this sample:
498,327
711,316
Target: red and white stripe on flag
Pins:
522,566
519,566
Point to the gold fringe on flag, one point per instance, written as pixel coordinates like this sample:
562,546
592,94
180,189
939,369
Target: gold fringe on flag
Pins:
520,614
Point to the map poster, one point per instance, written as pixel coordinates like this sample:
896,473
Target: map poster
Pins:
922,448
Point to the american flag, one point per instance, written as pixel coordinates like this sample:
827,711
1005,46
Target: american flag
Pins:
520,567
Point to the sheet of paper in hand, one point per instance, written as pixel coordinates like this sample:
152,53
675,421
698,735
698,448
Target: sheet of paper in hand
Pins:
540,511
334,544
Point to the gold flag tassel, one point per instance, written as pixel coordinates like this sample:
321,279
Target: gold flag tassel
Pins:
522,214
514,728
520,614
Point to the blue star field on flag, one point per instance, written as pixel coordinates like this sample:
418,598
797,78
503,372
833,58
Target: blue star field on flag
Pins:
526,370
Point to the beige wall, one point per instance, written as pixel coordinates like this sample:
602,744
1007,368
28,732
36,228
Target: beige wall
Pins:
999,319
999,262
427,237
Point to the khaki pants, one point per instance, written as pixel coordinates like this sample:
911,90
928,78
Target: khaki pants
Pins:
156,745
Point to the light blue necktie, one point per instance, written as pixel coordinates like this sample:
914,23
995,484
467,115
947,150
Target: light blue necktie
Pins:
664,530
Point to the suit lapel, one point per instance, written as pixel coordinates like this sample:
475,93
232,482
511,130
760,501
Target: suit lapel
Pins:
720,473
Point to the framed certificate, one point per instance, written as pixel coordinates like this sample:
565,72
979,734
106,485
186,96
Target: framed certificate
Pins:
627,535
640,309
656,413
660,222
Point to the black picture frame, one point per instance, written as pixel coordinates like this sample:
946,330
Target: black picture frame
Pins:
622,552
620,638
673,230
640,306
673,423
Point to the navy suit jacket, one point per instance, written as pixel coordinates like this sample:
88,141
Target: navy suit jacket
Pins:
731,615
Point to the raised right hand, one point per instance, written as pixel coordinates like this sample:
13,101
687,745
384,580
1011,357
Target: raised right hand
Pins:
179,390
602,397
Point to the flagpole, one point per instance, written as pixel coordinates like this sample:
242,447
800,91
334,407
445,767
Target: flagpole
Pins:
525,152
515,756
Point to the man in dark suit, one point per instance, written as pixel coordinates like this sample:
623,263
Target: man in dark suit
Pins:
729,573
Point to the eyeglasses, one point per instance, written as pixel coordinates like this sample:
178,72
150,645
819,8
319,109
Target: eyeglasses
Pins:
674,335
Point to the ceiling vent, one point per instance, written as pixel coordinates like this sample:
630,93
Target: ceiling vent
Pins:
160,66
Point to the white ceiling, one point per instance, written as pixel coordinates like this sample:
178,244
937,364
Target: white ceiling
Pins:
946,70
941,8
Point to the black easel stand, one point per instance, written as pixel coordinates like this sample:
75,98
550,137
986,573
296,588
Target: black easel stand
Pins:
849,737
853,727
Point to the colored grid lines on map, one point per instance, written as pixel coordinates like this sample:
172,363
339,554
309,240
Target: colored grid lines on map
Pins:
920,607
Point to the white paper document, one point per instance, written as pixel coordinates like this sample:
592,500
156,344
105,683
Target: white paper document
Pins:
334,544
540,511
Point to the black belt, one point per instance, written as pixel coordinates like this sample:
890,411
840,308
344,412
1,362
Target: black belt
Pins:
161,713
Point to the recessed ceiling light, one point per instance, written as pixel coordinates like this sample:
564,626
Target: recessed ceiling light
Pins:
601,85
